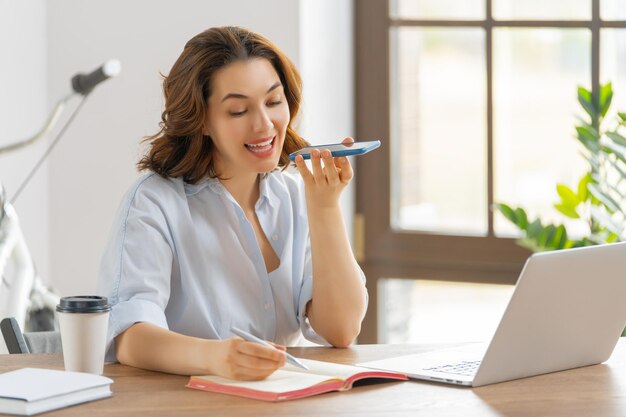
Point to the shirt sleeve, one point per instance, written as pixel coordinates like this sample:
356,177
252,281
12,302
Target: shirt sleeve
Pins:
136,267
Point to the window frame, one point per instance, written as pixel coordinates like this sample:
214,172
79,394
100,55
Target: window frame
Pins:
384,252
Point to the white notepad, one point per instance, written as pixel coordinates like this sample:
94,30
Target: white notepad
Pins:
31,391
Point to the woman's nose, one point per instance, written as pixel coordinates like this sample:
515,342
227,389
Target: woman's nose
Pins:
262,121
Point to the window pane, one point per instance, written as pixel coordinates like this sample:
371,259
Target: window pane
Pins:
613,66
536,75
542,9
438,178
437,9
425,311
613,9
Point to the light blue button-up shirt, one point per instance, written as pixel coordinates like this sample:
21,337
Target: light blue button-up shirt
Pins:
184,257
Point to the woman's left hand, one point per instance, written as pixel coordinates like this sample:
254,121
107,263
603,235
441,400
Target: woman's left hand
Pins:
324,185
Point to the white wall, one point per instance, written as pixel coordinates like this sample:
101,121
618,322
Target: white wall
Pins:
327,68
23,110
94,165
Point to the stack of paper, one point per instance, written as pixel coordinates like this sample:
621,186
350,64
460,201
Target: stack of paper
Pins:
30,391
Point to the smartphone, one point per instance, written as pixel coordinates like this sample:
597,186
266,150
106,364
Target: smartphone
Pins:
339,149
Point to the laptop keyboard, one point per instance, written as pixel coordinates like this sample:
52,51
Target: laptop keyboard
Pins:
467,368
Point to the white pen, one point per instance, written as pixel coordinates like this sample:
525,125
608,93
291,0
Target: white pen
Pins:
252,338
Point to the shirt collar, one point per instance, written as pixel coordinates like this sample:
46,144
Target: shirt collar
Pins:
191,189
218,188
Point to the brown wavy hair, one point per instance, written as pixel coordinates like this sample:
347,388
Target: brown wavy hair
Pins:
179,148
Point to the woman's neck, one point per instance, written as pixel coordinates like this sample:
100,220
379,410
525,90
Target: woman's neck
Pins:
245,189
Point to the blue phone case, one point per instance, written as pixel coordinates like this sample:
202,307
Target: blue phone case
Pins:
369,146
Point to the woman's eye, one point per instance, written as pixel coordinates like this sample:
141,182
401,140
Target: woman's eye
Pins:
237,113
274,103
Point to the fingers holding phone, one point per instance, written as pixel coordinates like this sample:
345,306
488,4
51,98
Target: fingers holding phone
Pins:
331,167
346,148
344,166
329,176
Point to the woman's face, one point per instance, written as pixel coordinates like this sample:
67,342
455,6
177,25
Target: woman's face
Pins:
247,117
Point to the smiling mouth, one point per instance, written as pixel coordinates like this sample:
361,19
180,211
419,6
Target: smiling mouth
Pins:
261,146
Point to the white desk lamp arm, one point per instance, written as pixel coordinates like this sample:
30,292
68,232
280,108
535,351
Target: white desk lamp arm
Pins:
81,84
52,120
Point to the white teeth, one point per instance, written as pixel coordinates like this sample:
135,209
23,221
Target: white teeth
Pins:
258,147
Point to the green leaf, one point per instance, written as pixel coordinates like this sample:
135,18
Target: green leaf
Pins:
569,244
534,229
590,130
567,211
587,137
604,100
522,218
622,116
612,237
585,100
568,196
604,198
583,193
594,201
578,243
546,236
507,211
560,237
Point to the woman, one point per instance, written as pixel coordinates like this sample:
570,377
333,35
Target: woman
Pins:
217,237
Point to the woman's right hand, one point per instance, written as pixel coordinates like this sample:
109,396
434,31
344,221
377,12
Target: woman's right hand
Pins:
247,361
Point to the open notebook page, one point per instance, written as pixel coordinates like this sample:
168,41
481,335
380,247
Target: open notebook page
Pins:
291,378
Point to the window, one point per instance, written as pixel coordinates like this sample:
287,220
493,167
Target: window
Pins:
472,100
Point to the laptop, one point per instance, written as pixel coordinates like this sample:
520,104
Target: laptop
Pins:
568,310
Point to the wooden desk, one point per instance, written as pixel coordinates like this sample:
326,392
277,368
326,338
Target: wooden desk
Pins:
592,391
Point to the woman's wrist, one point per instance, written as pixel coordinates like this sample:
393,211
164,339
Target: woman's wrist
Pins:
211,356
323,210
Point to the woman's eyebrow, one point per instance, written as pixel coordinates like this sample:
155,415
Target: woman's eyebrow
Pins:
243,96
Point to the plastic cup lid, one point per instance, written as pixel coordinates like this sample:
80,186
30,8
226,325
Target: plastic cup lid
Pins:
84,304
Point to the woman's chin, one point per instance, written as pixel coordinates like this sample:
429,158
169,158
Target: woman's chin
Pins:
267,167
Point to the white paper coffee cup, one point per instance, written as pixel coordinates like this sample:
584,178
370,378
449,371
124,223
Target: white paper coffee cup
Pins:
83,321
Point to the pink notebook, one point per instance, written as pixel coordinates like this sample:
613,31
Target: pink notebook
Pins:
290,382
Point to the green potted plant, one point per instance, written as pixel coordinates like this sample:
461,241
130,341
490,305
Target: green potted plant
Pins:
599,198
